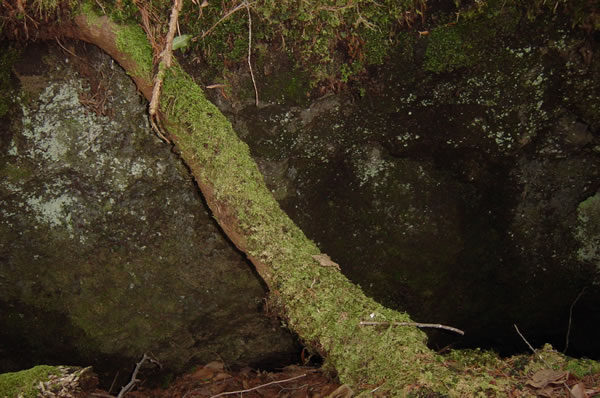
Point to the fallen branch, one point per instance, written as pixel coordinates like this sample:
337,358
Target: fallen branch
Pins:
415,324
257,387
129,386
165,63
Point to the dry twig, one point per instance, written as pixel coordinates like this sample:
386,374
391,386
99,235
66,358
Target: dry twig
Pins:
529,345
240,6
250,51
127,387
539,356
415,324
165,63
571,317
258,387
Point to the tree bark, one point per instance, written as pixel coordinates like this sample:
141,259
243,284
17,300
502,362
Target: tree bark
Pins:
314,300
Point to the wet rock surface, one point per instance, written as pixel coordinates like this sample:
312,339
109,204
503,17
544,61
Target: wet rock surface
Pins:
106,248
462,192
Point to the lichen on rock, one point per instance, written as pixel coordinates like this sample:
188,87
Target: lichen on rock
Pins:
105,239
588,231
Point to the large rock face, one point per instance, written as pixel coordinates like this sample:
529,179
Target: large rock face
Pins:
460,183
106,248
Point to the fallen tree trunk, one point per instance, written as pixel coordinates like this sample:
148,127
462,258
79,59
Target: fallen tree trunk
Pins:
306,290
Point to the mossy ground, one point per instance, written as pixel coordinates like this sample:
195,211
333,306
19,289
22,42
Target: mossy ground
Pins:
24,383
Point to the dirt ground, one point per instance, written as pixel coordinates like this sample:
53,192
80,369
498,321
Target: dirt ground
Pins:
214,380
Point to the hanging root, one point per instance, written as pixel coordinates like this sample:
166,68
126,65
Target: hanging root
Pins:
166,58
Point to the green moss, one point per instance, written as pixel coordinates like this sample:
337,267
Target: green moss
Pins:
24,383
124,11
90,11
228,41
287,86
319,36
132,40
583,367
376,47
447,50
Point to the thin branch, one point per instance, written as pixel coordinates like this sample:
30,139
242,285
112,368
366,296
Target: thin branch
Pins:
165,63
113,382
237,8
257,387
528,345
250,51
540,357
67,50
416,324
127,387
571,317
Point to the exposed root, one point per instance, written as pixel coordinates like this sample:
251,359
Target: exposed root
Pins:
165,63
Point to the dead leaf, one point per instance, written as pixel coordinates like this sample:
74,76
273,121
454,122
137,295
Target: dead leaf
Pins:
543,377
548,392
203,373
578,391
215,365
326,261
221,376
343,391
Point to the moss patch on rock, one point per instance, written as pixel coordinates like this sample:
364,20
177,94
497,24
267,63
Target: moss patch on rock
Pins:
25,383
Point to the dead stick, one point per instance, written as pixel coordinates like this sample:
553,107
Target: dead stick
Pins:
416,324
164,64
257,387
125,389
113,382
540,357
527,342
250,51
571,317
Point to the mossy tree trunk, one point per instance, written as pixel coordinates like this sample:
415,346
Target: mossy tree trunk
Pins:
315,301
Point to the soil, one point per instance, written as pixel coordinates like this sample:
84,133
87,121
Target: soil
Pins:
213,379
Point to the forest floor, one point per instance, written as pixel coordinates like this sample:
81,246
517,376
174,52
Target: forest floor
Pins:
214,380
